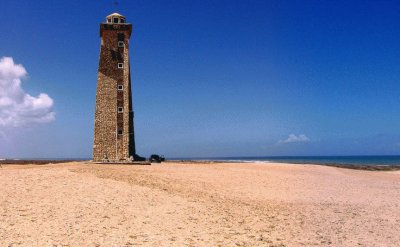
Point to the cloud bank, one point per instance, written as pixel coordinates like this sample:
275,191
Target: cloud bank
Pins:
293,138
17,108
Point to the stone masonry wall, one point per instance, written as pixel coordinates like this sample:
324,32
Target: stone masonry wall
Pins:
109,144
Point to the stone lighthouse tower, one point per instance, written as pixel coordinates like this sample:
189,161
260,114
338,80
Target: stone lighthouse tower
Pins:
114,138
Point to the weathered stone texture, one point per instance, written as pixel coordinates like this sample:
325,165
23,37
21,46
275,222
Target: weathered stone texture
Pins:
113,130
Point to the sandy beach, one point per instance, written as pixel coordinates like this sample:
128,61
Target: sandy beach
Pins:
189,204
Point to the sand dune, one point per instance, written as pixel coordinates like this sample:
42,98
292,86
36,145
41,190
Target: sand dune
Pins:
173,204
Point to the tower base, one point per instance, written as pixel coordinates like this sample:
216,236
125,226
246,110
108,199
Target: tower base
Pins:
124,163
134,158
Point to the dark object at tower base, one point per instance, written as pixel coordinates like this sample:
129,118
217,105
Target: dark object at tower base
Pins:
156,158
138,158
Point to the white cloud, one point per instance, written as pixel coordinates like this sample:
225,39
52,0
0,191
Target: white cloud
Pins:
295,138
17,108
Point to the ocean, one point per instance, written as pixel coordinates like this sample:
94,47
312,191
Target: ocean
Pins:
355,160
375,160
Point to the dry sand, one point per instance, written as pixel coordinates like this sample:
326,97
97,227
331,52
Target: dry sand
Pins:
78,204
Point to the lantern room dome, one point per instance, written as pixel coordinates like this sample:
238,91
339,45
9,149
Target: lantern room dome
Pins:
115,18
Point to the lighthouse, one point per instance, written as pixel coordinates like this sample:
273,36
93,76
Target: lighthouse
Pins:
114,137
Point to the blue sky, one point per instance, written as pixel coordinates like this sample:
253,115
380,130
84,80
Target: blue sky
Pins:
214,78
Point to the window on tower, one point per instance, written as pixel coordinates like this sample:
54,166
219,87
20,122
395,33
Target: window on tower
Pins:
115,20
120,109
121,37
108,20
122,20
119,131
120,87
120,65
120,43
